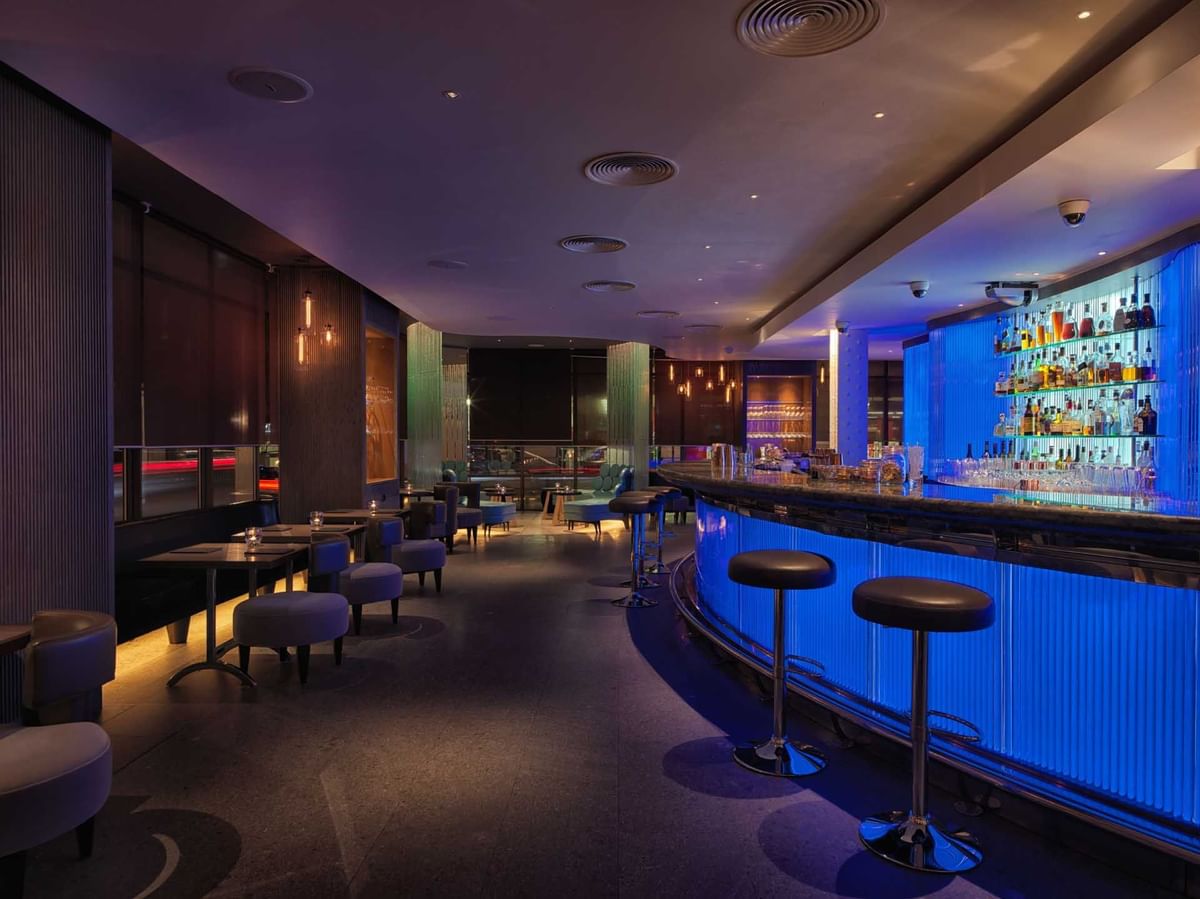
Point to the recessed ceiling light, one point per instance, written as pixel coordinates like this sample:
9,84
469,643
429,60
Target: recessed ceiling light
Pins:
499,339
708,246
450,95
716,302
270,84
753,196
1035,274
609,286
879,115
960,305
657,313
1084,14
1102,253
536,346
451,265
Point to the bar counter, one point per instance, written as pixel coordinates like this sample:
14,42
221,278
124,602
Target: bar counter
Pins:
1082,696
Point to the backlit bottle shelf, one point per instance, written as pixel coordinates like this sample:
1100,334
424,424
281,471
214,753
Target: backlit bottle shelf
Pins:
1086,388
1110,336
1077,436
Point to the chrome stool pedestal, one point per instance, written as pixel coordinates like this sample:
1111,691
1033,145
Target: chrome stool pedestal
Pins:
779,756
913,838
636,506
663,494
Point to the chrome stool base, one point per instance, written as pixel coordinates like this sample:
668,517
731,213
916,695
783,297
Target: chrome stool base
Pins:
919,844
642,584
634,601
780,758
657,568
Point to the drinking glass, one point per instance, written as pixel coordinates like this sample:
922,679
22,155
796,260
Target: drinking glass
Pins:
253,539
316,519
373,505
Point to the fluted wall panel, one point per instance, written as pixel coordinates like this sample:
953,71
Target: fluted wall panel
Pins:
848,366
916,396
56,533
423,465
322,410
629,408
454,411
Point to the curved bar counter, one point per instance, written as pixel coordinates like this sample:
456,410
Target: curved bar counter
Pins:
1082,696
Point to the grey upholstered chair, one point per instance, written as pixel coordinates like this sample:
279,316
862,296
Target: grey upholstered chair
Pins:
470,515
71,655
52,779
427,520
448,493
299,618
414,556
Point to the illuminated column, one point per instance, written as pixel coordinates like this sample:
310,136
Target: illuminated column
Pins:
629,408
848,395
423,447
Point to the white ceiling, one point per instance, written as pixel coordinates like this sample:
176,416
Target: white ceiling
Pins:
379,173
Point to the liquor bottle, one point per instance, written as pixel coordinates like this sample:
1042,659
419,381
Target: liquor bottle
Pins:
1060,376
1026,337
1148,370
1114,364
1089,418
1104,326
1086,325
1027,419
999,337
986,452
1125,411
1130,370
1071,373
1039,331
1139,420
969,454
1150,426
1119,317
1099,424
1058,463
1146,316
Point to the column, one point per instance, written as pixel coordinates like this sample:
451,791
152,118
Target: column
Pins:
629,408
848,395
423,449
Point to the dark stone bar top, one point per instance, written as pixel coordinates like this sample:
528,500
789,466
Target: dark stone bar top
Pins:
1130,537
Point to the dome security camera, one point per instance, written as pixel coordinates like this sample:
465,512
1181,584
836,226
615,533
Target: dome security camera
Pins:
919,288
1073,212
842,327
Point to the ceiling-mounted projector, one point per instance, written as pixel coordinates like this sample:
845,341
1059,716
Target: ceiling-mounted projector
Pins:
1014,293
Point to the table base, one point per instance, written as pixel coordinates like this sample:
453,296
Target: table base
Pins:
214,666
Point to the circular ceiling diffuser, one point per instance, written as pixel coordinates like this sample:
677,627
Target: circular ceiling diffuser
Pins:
630,169
657,313
608,286
702,328
452,265
806,27
270,84
591,243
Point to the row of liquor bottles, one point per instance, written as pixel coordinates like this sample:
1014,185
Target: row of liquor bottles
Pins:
1057,454
1089,365
1058,322
778,411
1121,470
1115,413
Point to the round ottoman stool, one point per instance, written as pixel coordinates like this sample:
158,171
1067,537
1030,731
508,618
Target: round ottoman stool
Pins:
296,619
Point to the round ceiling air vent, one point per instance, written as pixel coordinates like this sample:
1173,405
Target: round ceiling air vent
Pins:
657,313
806,27
591,243
630,169
270,84
608,286
452,265
702,328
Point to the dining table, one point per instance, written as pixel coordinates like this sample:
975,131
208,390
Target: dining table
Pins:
306,533
214,557
362,516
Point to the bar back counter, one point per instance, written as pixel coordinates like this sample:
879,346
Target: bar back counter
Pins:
1084,694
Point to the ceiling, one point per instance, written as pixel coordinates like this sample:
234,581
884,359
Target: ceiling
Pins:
378,173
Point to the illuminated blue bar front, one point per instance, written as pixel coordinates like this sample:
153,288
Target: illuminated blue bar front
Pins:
1084,691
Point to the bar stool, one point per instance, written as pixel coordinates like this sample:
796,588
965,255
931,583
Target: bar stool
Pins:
664,494
924,606
781,570
637,506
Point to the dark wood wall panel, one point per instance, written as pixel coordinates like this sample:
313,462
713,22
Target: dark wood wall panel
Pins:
321,419
705,418
55,364
520,394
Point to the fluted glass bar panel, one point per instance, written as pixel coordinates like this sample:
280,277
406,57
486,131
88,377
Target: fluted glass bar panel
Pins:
629,408
454,411
963,407
1179,374
1085,690
916,395
423,449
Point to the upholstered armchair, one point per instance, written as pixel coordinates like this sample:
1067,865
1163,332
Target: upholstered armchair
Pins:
448,494
71,655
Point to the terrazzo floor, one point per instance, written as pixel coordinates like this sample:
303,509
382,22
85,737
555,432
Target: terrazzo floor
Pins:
515,736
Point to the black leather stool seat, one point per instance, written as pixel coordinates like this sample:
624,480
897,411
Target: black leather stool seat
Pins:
633,503
663,490
923,604
782,569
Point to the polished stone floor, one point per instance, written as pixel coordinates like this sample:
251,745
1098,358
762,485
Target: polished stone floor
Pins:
515,736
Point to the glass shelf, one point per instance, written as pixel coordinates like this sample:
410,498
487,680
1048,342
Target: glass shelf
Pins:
1079,437
1111,335
1107,385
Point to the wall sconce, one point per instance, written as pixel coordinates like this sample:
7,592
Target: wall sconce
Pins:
671,372
301,347
680,390
328,333
688,391
308,303
721,374
699,371
708,385
822,374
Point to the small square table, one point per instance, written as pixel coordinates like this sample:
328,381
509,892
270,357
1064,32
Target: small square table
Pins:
214,557
305,533
14,637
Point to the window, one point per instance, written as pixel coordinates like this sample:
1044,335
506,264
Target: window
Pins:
233,474
885,403
170,481
118,485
